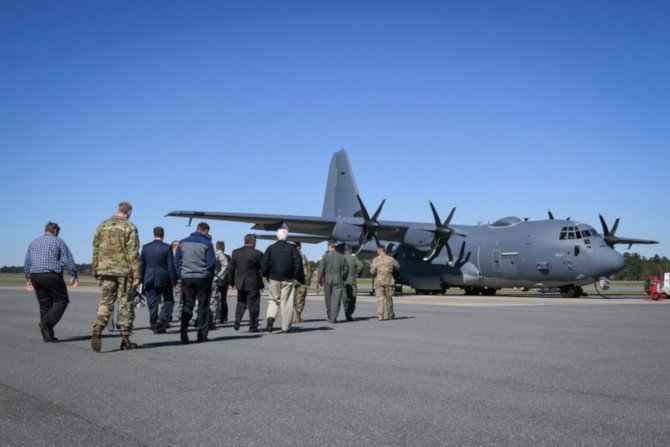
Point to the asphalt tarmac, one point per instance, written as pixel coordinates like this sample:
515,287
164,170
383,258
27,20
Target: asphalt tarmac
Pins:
462,371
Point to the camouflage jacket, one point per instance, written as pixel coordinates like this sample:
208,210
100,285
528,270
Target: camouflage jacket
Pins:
382,269
305,268
116,249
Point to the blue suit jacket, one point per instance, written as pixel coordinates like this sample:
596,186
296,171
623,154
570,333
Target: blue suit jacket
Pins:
156,267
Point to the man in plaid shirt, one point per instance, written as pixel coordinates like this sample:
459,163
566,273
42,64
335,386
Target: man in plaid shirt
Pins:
43,269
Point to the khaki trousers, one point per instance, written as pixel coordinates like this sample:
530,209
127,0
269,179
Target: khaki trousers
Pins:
281,298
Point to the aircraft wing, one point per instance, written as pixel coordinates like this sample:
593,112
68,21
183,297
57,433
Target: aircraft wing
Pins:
629,241
268,222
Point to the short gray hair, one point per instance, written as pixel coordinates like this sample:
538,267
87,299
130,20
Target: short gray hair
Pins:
282,234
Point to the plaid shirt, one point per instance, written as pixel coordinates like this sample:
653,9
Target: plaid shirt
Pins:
48,254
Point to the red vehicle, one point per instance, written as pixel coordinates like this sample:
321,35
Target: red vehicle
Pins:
657,286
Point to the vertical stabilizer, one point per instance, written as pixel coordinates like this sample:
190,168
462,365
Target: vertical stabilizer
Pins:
340,199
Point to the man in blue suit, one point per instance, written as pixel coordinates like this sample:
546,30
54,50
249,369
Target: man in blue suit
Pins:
158,279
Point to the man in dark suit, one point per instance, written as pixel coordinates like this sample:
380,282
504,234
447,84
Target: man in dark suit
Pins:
158,279
245,275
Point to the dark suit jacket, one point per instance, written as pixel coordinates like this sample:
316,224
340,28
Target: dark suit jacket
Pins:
244,269
156,267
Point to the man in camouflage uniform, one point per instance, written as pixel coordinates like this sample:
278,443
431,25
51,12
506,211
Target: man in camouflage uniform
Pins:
218,283
333,270
350,284
116,266
382,268
301,285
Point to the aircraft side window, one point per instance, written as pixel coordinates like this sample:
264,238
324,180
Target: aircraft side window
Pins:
571,235
578,234
563,235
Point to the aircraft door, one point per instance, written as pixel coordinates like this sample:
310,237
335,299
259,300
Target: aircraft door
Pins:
509,264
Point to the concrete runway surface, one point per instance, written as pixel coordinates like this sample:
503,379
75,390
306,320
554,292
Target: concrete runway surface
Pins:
449,371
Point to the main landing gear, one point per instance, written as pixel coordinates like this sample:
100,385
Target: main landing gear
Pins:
572,292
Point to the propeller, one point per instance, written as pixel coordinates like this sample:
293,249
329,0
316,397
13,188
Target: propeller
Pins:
442,234
609,236
369,226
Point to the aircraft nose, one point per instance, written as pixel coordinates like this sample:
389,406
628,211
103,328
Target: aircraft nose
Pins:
613,262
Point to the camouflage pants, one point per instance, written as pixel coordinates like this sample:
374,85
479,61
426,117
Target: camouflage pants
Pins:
113,288
300,293
384,293
215,300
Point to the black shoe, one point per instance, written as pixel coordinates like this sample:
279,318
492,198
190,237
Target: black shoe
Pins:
270,323
51,330
183,332
253,329
45,330
288,331
202,338
236,325
350,318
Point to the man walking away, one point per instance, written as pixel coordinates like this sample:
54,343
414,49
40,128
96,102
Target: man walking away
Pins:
43,269
158,279
219,275
382,268
244,272
116,266
351,283
194,263
301,284
333,270
280,264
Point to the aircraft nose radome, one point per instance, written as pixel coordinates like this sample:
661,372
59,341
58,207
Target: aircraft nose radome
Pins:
616,261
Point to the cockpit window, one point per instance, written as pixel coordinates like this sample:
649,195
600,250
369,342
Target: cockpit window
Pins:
570,233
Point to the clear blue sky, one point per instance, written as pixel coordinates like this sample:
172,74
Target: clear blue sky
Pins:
499,108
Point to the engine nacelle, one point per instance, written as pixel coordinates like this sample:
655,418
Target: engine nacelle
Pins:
347,233
604,283
418,238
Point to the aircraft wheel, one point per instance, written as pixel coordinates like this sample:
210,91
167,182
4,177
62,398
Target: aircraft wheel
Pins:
569,292
664,296
654,296
489,291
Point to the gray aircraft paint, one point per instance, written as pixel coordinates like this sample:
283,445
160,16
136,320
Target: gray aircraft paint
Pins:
507,253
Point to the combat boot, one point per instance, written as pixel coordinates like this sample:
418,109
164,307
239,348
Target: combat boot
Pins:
161,328
270,323
126,343
96,338
298,318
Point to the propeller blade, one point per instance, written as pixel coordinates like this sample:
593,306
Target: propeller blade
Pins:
451,255
433,254
379,210
616,225
551,215
366,216
606,230
435,215
448,221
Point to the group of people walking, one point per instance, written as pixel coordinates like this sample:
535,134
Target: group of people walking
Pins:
200,276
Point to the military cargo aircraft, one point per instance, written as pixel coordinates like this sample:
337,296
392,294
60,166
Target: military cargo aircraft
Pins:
510,252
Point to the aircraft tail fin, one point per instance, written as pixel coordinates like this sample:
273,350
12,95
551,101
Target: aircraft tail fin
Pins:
341,189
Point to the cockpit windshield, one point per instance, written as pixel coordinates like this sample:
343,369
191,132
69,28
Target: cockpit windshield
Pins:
575,232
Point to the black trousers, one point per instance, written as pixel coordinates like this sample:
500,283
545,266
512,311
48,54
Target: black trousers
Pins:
248,299
51,295
196,289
